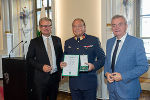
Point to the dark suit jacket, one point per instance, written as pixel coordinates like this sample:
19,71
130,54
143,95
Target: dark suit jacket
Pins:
37,57
90,46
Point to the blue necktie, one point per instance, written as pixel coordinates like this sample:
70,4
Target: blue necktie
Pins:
78,39
114,55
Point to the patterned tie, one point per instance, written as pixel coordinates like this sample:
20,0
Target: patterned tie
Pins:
49,51
114,55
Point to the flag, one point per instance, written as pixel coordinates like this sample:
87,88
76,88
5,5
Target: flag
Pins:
42,14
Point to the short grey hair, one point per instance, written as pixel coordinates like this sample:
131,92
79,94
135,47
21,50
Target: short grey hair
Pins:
46,19
119,16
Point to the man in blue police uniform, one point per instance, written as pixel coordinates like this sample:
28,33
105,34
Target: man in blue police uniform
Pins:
84,86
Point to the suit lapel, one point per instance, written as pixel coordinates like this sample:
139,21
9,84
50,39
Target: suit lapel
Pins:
41,43
110,47
54,39
54,44
123,49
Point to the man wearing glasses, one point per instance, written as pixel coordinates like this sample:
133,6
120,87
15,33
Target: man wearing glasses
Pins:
125,62
44,54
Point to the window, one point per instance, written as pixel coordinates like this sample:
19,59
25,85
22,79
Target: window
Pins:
48,11
144,24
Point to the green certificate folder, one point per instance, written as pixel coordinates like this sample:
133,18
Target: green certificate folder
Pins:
72,68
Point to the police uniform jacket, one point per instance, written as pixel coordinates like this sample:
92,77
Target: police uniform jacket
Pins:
87,45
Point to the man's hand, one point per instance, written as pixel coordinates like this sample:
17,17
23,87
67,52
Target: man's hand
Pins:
116,76
63,64
109,77
91,66
47,68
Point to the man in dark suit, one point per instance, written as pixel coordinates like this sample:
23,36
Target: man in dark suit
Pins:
125,62
84,86
44,54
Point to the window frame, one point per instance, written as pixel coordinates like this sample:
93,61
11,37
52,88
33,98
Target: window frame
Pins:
47,9
138,22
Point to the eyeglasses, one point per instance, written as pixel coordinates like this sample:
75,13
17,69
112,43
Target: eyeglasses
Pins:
45,26
118,25
80,26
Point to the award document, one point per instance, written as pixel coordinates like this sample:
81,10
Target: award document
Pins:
72,65
83,60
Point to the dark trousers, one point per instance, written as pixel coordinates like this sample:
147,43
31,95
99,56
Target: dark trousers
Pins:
47,90
83,94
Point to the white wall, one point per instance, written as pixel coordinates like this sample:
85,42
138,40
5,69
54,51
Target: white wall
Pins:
67,10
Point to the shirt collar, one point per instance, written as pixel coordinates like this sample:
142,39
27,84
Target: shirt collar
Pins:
82,37
44,37
123,38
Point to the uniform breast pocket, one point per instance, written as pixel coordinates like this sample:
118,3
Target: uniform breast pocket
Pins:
89,50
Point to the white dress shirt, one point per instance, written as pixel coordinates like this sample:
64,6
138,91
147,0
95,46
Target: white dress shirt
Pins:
119,47
54,66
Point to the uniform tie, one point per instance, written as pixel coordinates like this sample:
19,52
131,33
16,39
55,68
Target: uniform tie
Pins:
49,51
78,39
114,55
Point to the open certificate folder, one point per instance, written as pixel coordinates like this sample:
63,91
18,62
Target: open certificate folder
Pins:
72,65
